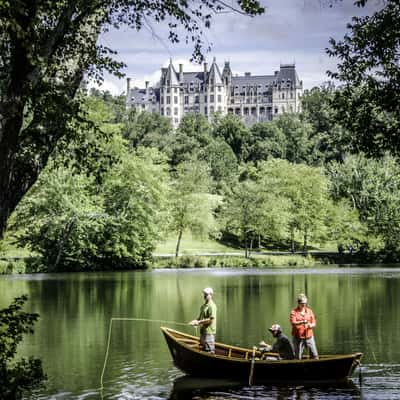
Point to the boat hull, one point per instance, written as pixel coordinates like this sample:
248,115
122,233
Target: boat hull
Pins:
237,363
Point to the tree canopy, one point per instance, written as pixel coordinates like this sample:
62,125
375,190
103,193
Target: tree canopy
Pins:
46,49
368,103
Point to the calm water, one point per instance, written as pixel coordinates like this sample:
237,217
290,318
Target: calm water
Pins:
356,310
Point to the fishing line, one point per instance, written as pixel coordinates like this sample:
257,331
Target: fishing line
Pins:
129,319
366,336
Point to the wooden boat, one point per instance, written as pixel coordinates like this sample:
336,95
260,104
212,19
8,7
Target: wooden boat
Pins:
237,363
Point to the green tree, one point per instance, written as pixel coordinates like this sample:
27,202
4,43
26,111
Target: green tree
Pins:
251,211
46,48
97,144
343,224
232,130
372,187
368,103
222,163
301,141
60,220
191,137
266,141
333,140
75,224
17,378
148,130
191,205
135,200
306,190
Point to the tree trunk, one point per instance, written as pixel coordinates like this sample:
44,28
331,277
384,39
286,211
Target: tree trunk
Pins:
66,234
251,246
292,239
305,237
178,243
246,254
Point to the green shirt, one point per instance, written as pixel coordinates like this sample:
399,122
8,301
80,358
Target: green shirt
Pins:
208,310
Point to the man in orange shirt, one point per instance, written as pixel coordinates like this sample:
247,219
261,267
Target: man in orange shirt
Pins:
303,321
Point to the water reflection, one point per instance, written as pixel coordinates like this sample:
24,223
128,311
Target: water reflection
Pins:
186,388
356,310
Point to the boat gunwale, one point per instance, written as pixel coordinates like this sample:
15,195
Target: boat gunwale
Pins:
322,359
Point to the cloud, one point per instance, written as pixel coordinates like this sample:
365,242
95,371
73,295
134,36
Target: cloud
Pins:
290,31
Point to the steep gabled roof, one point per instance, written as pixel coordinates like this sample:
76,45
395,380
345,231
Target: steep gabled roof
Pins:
214,74
171,75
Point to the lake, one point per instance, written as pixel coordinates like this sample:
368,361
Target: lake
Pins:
357,309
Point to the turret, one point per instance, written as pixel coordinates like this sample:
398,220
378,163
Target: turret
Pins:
227,74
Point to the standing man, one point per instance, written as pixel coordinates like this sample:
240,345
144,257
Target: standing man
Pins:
208,321
303,322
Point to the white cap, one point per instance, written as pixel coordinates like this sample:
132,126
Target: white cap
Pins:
208,290
274,327
302,298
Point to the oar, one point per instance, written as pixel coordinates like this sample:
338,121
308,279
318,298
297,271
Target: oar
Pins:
252,366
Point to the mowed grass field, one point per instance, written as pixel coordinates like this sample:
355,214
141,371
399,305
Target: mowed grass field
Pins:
191,245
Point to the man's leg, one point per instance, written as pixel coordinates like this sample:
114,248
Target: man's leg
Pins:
203,342
296,347
302,345
207,342
313,347
210,344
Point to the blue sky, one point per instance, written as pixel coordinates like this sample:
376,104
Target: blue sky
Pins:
289,31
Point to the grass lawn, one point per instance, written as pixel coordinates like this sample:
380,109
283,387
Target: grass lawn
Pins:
191,245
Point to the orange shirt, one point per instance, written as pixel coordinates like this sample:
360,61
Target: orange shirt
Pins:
297,315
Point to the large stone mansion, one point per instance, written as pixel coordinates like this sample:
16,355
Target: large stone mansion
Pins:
252,97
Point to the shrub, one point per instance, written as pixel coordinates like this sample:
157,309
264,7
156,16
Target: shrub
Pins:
17,378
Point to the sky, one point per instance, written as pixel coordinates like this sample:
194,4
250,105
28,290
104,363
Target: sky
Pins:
290,31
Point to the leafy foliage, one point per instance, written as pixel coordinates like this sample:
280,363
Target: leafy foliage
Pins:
369,104
372,187
233,131
17,378
333,140
46,48
191,205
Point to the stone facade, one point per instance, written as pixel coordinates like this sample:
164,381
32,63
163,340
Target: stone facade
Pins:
253,98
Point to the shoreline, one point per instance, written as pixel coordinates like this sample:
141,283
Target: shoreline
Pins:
261,260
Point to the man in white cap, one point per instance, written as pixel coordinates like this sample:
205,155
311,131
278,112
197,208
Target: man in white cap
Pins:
303,322
282,344
207,321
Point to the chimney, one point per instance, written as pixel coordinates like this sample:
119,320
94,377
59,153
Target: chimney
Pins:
180,72
205,68
128,86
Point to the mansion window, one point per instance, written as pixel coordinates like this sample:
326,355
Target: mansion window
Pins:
168,100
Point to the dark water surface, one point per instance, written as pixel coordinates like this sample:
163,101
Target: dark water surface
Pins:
357,309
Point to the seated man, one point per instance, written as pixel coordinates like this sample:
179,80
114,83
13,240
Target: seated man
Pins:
282,344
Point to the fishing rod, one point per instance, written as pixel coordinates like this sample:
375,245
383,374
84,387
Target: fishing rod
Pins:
130,319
